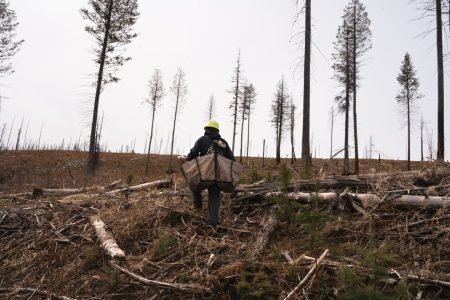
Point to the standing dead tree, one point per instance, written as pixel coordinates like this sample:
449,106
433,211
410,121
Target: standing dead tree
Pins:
9,135
279,115
332,129
292,110
248,98
342,73
237,92
1,137
430,145
243,108
434,9
422,125
156,94
211,109
440,64
306,144
24,146
179,90
19,132
409,93
251,100
111,26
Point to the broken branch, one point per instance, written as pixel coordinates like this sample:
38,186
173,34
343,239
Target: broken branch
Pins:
184,288
308,276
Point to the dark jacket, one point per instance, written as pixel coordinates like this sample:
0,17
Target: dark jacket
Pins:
204,143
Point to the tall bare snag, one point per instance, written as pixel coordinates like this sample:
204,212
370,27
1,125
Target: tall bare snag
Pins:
237,92
179,90
156,94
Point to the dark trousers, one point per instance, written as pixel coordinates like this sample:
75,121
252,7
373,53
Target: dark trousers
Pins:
213,203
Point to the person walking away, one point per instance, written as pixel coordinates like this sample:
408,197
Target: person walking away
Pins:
210,142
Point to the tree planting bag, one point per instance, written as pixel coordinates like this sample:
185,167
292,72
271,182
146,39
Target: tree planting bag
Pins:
207,170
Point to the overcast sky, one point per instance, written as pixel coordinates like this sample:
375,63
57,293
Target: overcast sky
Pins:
52,82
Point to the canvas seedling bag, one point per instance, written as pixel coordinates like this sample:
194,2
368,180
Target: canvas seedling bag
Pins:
204,171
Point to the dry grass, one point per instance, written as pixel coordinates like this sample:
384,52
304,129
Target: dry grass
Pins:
24,170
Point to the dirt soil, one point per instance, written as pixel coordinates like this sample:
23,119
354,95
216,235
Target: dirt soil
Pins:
48,247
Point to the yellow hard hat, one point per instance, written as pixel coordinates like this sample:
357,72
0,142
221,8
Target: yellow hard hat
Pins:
212,124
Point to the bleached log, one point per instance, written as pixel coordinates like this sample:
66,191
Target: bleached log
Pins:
406,201
308,276
183,288
107,241
369,200
305,197
335,182
38,192
156,184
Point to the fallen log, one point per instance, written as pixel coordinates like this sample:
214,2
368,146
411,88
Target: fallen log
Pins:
183,288
406,201
39,192
304,197
368,200
107,241
335,182
428,280
308,276
15,196
421,278
155,184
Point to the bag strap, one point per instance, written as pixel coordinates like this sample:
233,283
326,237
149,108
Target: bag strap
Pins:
198,167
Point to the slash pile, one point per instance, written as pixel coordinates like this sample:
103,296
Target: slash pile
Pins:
267,246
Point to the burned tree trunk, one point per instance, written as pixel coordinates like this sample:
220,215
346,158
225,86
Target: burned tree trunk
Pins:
306,151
